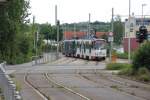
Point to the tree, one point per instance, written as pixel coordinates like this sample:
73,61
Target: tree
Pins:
12,17
118,30
50,32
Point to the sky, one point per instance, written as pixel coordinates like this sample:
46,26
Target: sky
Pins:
73,11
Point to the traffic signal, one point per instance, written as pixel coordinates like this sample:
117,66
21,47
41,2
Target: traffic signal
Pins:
142,35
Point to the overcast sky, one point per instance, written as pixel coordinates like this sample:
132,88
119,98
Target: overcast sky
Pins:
70,11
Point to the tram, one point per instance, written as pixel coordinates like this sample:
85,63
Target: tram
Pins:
90,49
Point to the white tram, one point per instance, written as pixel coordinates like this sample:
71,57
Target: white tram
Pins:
92,49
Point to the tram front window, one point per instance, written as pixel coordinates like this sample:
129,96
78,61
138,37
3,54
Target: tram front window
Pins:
99,45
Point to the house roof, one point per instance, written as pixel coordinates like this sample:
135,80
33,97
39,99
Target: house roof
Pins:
70,34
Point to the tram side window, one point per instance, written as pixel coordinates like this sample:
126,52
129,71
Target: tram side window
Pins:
73,45
90,47
84,46
80,47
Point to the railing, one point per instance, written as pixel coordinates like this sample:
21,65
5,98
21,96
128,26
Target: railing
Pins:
45,58
7,85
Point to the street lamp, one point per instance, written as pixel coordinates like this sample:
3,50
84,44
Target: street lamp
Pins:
142,13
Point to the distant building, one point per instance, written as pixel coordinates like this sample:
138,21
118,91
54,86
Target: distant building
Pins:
70,35
131,32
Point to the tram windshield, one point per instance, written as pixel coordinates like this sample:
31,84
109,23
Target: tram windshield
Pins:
99,44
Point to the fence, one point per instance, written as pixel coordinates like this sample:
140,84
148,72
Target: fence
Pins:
7,85
45,58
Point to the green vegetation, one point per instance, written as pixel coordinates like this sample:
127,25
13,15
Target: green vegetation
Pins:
117,66
0,90
49,98
118,30
1,95
49,31
98,26
142,74
115,87
122,55
16,34
17,83
13,19
128,71
140,68
12,75
142,57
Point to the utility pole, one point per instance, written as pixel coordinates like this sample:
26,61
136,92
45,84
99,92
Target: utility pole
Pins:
57,27
142,14
89,28
111,35
65,32
75,35
129,39
35,35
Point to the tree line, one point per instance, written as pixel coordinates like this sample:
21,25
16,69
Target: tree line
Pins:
14,44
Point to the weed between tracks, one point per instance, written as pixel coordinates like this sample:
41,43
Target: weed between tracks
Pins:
17,83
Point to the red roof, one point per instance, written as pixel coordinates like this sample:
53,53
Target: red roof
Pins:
70,35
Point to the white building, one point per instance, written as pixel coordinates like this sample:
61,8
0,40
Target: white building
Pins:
133,29
135,24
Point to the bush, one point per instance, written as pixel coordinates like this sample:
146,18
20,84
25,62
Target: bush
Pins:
122,55
126,71
142,57
117,66
143,74
144,78
142,71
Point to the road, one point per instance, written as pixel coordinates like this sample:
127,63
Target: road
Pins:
77,79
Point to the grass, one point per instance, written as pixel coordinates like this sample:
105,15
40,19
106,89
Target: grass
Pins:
0,90
142,74
17,83
115,87
48,98
117,66
18,86
122,55
12,75
1,95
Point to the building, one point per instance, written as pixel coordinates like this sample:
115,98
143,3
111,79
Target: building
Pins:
132,29
70,34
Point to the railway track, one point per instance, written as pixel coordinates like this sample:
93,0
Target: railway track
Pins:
113,83
66,88
64,61
44,95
